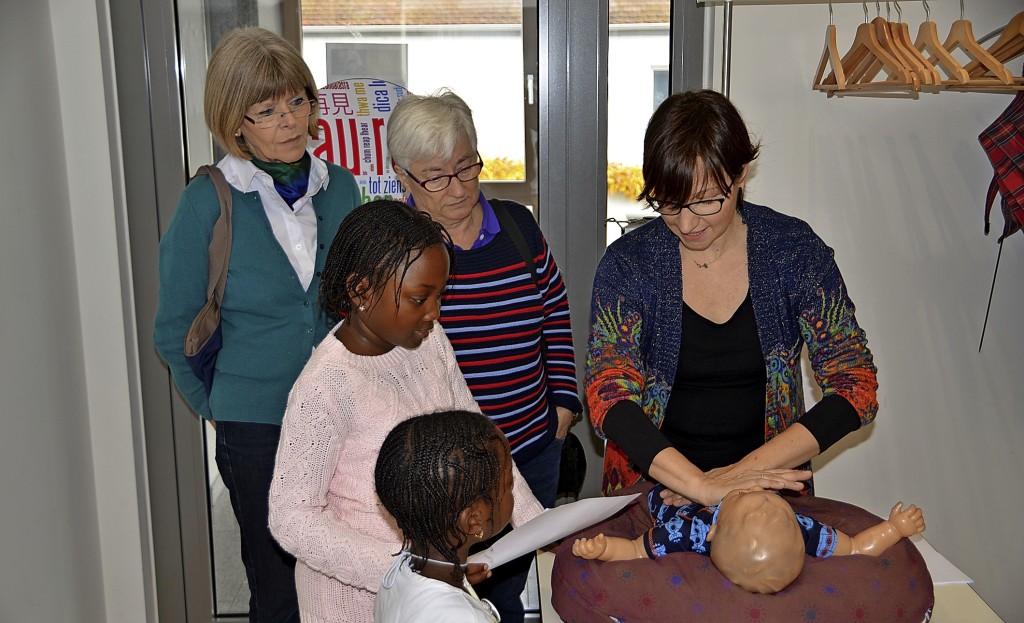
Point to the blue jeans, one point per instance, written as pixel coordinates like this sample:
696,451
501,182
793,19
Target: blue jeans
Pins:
245,458
505,586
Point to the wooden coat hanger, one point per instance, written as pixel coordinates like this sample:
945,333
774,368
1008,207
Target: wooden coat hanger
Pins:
830,58
901,33
1009,46
961,36
929,44
884,34
866,58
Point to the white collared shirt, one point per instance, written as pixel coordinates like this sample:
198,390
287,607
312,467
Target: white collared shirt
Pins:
295,226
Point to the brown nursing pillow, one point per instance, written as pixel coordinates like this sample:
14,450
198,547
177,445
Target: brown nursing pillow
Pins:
892,588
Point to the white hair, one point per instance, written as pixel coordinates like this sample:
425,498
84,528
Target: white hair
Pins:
428,126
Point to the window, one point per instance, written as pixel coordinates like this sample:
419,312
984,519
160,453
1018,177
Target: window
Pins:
475,49
638,40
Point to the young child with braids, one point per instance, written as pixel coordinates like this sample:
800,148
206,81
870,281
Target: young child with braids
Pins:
387,360
446,478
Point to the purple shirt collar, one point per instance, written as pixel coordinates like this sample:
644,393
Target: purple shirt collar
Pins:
488,229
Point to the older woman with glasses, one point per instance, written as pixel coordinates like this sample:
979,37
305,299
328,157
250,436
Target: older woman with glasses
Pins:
699,319
260,106
505,310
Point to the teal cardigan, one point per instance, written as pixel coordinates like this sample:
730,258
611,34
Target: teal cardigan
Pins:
270,324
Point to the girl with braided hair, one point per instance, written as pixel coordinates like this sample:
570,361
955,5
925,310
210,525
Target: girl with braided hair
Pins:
446,478
386,360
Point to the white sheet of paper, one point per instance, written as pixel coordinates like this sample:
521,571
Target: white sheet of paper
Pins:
549,526
939,567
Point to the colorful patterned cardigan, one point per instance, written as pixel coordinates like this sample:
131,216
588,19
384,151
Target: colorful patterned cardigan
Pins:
799,298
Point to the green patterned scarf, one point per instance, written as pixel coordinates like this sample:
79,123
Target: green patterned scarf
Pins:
291,179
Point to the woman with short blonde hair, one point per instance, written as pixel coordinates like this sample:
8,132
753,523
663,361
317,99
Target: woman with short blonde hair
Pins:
261,107
251,65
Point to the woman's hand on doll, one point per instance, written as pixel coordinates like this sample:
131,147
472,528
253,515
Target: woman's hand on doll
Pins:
909,521
720,481
671,498
477,572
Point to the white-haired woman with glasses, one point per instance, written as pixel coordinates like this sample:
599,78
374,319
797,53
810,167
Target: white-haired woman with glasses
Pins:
698,319
261,107
510,329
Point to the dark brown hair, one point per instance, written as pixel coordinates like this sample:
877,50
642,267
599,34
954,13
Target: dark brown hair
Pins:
694,139
433,466
375,242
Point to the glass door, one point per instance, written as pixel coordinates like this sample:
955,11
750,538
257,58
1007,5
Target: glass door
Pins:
639,54
486,52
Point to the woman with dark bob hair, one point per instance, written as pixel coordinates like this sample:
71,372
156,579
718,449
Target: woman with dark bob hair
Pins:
699,318
261,107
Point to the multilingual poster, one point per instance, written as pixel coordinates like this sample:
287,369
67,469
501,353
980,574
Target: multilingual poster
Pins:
353,133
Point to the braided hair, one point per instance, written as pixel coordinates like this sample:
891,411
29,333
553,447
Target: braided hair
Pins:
430,468
376,241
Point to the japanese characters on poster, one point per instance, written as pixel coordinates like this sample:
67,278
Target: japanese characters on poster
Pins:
353,133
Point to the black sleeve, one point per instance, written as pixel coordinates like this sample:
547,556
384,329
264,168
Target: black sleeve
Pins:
628,426
830,420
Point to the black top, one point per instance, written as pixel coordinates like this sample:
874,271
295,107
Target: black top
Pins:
716,413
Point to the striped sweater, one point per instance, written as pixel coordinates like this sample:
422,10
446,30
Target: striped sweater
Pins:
496,319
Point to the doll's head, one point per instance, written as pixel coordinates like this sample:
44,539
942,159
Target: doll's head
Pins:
446,478
756,541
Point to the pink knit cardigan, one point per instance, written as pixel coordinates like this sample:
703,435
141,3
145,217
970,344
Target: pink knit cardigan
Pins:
323,507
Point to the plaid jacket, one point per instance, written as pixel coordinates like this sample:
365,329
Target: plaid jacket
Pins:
1003,142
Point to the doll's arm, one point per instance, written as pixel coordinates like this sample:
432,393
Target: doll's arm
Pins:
878,538
604,547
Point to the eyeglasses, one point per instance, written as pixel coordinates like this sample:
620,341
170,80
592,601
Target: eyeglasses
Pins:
300,107
701,207
439,183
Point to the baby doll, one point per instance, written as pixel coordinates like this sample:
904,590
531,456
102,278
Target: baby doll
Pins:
446,478
759,542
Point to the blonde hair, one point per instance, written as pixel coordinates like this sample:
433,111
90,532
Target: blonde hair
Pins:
248,66
427,126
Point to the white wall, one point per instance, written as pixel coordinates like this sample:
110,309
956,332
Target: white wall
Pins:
71,536
896,187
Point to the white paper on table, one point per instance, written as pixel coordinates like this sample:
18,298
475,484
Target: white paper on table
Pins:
549,526
939,567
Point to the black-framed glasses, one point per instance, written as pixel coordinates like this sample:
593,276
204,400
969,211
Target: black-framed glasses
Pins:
701,207
440,182
300,107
